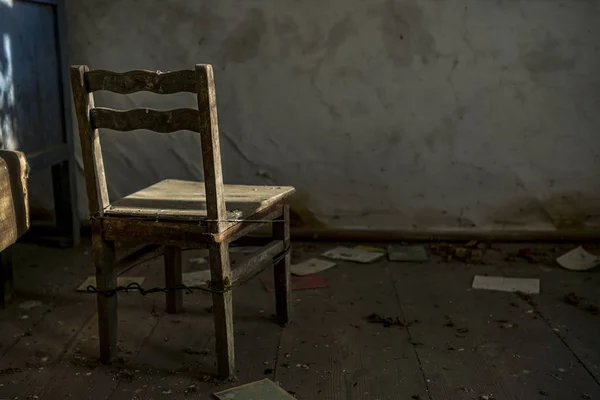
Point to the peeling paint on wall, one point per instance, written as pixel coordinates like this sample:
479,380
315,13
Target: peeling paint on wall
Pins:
387,114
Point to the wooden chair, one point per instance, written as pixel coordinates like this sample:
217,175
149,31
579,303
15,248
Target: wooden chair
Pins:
176,213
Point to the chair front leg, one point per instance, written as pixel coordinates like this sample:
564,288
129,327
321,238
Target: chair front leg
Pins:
173,277
281,231
6,276
106,279
220,270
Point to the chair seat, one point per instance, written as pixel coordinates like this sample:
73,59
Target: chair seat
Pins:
173,199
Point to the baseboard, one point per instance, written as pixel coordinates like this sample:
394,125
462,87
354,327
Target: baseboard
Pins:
449,235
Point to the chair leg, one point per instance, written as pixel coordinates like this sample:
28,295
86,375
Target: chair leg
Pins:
6,276
223,308
281,231
173,277
106,279
65,202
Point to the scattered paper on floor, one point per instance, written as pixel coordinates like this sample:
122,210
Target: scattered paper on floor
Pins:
196,278
198,260
505,284
370,248
28,305
578,260
264,389
312,266
407,253
121,281
350,254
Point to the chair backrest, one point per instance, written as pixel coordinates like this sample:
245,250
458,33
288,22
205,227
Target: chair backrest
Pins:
202,120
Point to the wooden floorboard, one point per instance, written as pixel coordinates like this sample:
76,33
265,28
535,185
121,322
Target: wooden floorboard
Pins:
80,376
474,343
40,347
461,343
575,325
174,358
178,358
330,351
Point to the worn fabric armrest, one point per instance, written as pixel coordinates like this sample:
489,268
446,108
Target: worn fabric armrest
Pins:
14,202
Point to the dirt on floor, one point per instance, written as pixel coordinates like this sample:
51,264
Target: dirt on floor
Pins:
380,330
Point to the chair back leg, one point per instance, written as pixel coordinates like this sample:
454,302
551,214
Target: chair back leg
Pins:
173,278
6,276
281,231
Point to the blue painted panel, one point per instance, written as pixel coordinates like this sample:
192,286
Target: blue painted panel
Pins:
31,108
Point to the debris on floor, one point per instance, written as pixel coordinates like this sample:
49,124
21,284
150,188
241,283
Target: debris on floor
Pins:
385,321
10,371
505,284
407,253
190,389
472,251
298,283
526,254
449,323
370,248
353,254
195,352
28,305
121,281
311,266
580,302
572,299
198,260
578,260
264,389
533,255
196,278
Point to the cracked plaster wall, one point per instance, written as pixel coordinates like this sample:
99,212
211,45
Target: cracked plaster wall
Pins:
383,114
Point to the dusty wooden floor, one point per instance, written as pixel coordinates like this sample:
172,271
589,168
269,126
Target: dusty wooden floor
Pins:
459,343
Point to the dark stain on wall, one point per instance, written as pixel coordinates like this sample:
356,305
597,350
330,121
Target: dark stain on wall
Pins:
546,58
404,33
243,43
564,211
300,213
441,138
338,34
426,218
292,40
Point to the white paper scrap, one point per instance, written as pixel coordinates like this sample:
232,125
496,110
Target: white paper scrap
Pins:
121,281
312,266
350,254
578,260
196,278
504,284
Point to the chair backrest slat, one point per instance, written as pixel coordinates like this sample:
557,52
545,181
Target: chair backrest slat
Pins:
211,151
141,80
203,120
145,118
95,179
